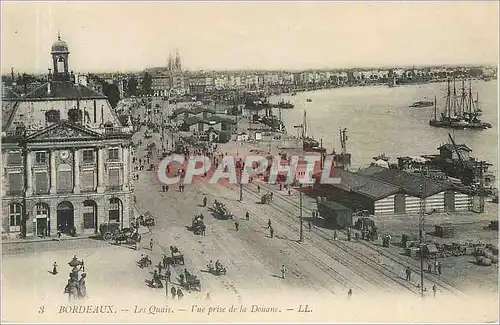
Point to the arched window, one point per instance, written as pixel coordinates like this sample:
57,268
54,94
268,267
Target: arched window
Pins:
42,210
60,64
115,210
15,211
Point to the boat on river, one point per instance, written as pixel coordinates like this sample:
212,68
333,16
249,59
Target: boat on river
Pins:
423,103
460,112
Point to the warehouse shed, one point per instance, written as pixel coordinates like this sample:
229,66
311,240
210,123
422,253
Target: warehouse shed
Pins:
335,214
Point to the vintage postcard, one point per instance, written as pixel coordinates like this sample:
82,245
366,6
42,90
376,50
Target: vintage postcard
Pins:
270,162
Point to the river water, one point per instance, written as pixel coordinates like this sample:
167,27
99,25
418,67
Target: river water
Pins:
378,120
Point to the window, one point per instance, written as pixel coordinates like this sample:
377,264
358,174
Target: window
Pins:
15,183
87,180
114,210
42,209
113,153
89,212
41,183
15,210
114,177
64,179
40,158
88,156
14,158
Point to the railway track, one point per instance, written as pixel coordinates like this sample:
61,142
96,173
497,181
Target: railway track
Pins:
361,265
340,278
388,255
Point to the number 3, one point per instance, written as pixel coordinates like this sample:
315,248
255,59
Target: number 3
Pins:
41,310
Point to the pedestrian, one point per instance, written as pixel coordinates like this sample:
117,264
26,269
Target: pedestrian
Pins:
348,235
281,187
208,296
179,294
439,268
165,261
309,225
151,244
204,201
247,216
82,288
163,188
271,230
335,235
283,271
435,265
159,267
289,192
349,293
258,189
59,234
236,225
173,292
54,269
429,266
408,274
434,290
203,229
269,224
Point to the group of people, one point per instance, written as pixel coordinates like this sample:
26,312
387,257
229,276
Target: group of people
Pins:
434,266
76,286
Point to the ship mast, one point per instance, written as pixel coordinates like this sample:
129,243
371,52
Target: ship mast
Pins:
448,99
463,100
471,107
304,125
454,97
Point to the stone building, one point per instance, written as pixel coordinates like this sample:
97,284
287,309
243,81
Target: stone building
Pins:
65,157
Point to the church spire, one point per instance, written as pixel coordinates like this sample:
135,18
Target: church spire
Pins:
58,35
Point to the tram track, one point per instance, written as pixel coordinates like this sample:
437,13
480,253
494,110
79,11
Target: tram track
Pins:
388,255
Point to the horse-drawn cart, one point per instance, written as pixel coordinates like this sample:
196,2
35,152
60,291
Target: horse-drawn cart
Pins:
192,283
149,220
177,257
266,198
222,211
198,225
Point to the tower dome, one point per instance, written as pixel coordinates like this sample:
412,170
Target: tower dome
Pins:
59,46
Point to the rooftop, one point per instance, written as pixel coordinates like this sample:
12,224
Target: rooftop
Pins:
62,90
411,184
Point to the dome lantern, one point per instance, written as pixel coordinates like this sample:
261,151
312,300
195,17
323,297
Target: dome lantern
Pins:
60,54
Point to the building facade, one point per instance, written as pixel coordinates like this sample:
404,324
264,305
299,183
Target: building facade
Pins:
66,158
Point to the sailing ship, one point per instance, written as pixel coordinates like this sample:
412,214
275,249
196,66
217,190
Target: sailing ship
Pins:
309,143
461,112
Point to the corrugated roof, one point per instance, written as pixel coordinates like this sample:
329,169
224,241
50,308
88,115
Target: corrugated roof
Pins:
410,183
63,90
367,186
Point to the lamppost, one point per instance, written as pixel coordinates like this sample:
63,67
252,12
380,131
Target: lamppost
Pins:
300,218
421,232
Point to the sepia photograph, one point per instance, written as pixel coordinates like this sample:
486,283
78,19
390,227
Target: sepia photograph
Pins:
249,161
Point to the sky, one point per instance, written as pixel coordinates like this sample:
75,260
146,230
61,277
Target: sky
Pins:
131,36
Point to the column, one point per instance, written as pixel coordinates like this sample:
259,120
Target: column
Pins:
100,170
76,171
53,172
29,173
125,160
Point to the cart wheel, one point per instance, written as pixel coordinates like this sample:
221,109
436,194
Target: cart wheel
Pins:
108,236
